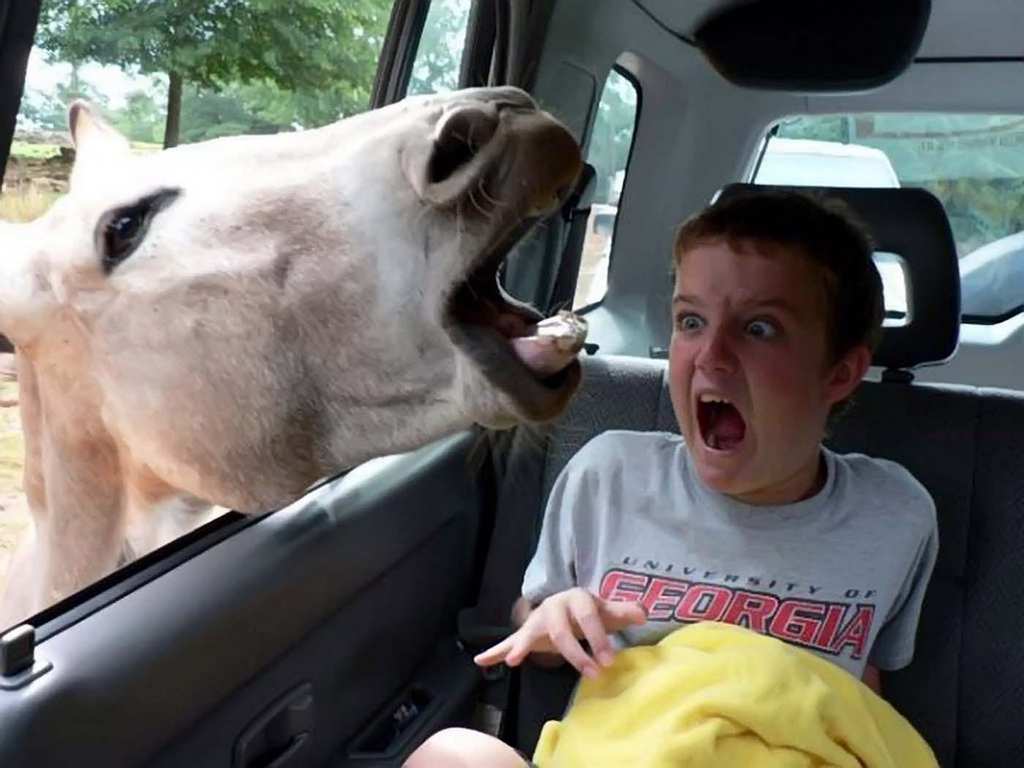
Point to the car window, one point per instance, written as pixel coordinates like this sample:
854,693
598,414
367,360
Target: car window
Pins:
610,144
439,54
892,270
166,74
973,163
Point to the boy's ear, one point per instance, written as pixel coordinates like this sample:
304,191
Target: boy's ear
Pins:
846,375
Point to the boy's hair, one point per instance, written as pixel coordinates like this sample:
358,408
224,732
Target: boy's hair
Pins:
824,231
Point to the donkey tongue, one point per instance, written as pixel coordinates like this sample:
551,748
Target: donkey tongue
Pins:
552,344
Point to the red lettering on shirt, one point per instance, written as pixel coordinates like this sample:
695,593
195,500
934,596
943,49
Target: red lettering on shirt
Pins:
661,598
623,585
808,623
704,602
856,632
797,621
751,610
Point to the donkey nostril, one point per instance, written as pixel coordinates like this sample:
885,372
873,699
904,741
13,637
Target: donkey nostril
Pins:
448,158
462,135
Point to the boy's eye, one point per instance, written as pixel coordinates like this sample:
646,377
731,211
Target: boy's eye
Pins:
689,322
762,329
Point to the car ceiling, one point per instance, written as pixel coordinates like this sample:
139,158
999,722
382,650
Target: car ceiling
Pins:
956,29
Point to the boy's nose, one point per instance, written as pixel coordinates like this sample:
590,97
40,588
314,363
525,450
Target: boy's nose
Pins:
716,354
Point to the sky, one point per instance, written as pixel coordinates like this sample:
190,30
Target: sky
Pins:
112,82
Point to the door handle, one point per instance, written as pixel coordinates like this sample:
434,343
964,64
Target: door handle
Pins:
290,754
281,736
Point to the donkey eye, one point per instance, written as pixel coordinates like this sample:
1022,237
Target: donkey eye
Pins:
121,236
123,229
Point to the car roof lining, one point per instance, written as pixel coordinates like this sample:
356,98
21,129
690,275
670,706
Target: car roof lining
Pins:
956,29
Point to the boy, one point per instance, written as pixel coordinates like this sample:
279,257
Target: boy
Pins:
747,518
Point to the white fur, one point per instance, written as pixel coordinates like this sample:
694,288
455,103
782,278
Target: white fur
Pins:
283,318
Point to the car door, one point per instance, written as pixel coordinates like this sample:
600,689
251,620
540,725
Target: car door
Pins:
320,634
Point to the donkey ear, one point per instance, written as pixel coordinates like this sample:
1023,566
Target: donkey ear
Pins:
89,130
94,138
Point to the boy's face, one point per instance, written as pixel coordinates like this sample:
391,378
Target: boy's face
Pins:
750,375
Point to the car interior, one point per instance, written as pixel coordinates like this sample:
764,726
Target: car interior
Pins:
340,630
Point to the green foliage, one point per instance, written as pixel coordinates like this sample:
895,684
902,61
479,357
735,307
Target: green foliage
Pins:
302,44
439,56
316,59
612,136
141,119
209,115
43,111
824,128
248,66
50,111
34,151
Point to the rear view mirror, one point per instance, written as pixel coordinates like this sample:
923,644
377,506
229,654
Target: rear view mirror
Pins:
814,45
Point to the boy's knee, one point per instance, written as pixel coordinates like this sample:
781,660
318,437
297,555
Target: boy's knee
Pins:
463,748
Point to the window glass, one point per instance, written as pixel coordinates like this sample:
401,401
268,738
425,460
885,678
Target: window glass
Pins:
439,56
973,163
610,145
892,270
168,73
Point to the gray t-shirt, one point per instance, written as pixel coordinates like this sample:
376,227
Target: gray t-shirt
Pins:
842,573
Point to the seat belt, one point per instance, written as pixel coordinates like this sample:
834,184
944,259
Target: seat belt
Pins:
576,215
518,514
519,458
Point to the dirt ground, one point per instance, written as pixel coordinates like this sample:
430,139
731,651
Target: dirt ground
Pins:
14,519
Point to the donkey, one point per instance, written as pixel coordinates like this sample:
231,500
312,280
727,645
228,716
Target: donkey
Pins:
224,323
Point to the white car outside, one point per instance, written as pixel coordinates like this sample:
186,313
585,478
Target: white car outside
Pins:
795,162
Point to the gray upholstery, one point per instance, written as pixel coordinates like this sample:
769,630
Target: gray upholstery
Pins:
965,688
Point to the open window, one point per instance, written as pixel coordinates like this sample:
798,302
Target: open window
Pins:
439,53
178,76
233,642
611,142
973,163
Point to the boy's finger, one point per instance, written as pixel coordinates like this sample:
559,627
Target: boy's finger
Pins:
619,614
521,648
565,642
495,654
586,614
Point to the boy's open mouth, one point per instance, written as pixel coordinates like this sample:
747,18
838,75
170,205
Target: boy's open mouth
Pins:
722,427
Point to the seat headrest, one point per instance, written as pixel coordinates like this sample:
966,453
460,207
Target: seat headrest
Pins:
912,224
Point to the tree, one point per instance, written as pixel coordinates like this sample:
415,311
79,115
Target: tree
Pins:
303,45
49,110
209,115
140,119
612,134
40,110
439,56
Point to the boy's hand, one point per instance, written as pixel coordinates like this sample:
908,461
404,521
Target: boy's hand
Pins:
558,624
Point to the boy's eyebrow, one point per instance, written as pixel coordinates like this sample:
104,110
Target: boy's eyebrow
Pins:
684,298
785,306
773,303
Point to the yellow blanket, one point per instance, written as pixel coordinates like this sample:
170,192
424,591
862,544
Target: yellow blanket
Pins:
719,695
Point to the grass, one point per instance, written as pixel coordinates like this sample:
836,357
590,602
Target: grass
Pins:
25,206
34,151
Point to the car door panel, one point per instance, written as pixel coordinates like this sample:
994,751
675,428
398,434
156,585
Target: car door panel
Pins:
354,588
